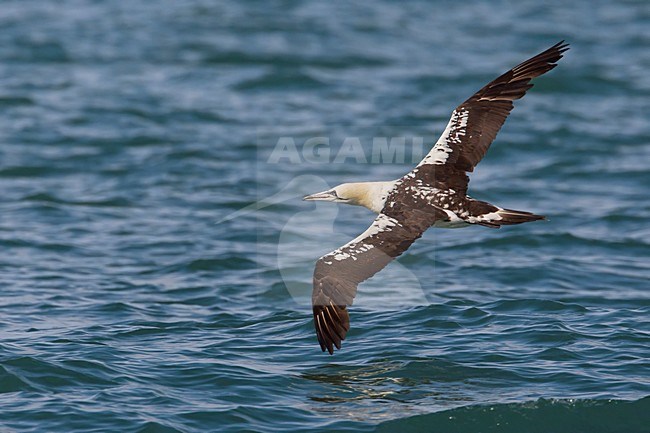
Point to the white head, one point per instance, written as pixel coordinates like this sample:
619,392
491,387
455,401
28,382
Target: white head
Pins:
371,195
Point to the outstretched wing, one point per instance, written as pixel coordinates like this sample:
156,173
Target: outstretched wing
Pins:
338,273
475,123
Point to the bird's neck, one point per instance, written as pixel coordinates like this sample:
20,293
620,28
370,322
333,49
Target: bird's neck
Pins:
372,195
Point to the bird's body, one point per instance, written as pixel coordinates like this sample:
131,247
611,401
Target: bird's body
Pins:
433,194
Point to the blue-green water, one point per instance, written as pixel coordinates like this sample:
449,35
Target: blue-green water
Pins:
132,300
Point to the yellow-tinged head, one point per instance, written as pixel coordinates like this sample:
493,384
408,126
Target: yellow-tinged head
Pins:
371,195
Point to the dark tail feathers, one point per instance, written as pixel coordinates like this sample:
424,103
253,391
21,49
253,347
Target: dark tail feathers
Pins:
510,217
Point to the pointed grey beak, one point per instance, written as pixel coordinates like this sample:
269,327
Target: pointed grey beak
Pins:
325,196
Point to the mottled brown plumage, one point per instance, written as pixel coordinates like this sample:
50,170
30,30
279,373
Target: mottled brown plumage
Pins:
489,107
433,194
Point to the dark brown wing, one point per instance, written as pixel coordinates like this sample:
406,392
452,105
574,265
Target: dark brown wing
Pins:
475,123
338,273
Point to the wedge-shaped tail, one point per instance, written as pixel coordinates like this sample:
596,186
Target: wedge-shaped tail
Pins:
507,217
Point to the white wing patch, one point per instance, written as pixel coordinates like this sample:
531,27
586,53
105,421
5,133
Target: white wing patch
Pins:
356,245
487,217
453,133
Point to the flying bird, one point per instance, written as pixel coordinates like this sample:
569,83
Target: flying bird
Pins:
433,194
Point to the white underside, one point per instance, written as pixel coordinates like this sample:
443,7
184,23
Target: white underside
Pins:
453,223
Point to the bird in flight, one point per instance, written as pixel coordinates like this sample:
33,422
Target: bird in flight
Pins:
433,194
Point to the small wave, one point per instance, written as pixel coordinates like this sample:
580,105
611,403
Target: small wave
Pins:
284,60
107,202
535,305
543,416
156,427
12,101
281,80
10,382
28,372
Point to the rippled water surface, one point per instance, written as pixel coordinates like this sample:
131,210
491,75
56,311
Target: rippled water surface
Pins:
138,296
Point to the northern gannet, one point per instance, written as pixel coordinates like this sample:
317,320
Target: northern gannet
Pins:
434,194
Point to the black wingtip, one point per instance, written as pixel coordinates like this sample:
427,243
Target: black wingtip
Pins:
561,46
326,347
